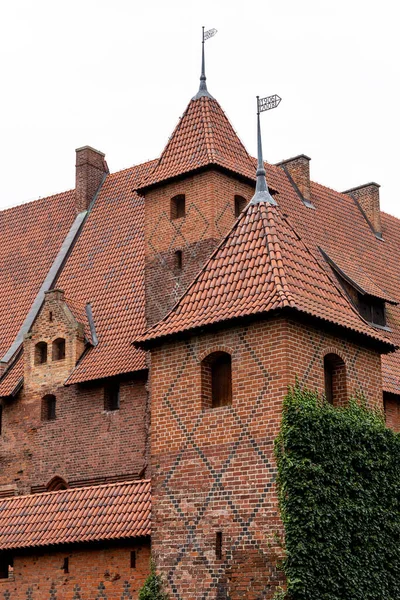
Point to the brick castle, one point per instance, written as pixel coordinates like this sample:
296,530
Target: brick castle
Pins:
151,321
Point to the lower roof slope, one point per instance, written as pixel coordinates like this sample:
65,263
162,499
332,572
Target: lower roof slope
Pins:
261,266
91,514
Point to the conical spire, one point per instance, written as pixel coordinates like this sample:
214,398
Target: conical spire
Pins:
262,192
203,85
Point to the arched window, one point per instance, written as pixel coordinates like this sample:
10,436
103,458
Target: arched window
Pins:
178,208
48,407
56,484
240,204
58,349
335,380
217,380
40,353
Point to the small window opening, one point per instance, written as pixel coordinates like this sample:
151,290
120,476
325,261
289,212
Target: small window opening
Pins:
111,396
335,380
58,352
217,380
240,204
40,353
178,260
50,316
133,559
56,484
65,566
6,566
178,209
218,545
48,407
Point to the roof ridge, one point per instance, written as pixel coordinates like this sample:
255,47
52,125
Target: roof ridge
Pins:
205,111
273,246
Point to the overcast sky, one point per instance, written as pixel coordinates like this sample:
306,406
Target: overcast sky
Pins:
117,74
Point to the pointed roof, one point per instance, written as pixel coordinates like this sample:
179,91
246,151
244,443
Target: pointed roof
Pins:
260,267
202,138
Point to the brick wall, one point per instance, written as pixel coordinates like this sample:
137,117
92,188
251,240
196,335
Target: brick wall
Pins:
104,573
214,471
209,216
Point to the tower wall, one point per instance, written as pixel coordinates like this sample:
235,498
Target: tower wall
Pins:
213,469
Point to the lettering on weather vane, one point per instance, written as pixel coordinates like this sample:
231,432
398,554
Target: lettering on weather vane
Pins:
268,103
209,34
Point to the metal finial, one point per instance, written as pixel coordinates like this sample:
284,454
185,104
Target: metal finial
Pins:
203,86
262,192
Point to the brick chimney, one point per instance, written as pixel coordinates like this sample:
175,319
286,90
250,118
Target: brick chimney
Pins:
298,169
90,170
367,197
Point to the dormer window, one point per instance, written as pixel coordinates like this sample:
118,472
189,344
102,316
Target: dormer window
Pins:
178,207
40,353
372,309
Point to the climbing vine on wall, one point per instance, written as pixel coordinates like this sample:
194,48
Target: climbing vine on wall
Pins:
339,487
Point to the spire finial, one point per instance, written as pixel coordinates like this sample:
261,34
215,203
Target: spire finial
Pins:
262,192
203,86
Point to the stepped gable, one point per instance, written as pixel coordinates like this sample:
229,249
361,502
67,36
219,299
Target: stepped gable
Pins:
30,238
88,514
261,266
203,137
106,268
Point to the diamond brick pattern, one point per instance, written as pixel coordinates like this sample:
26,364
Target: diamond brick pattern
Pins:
104,512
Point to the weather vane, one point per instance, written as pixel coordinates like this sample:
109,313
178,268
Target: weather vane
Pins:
206,35
262,192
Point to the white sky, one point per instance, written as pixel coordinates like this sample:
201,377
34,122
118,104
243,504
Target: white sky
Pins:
117,74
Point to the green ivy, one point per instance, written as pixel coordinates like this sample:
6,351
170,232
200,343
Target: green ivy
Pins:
153,587
339,488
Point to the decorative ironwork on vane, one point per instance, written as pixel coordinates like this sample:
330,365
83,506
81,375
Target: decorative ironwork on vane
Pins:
206,35
268,102
262,192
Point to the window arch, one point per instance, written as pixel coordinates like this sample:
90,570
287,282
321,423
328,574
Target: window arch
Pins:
56,483
58,350
48,407
40,353
240,204
216,372
335,379
178,206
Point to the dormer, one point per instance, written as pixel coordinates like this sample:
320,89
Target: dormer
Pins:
365,295
55,342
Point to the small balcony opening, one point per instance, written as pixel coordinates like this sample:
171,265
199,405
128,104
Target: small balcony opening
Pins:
178,208
58,352
40,353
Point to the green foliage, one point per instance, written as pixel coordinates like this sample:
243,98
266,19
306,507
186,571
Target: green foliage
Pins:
339,486
153,587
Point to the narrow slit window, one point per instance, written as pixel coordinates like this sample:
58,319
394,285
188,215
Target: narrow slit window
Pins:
66,565
178,206
240,204
6,566
48,407
178,260
218,545
111,396
40,353
133,559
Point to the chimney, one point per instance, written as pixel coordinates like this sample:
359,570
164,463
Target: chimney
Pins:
298,170
54,294
367,197
91,168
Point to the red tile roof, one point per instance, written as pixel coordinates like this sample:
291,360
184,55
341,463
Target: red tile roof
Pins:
12,378
203,137
30,238
261,266
106,268
104,512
